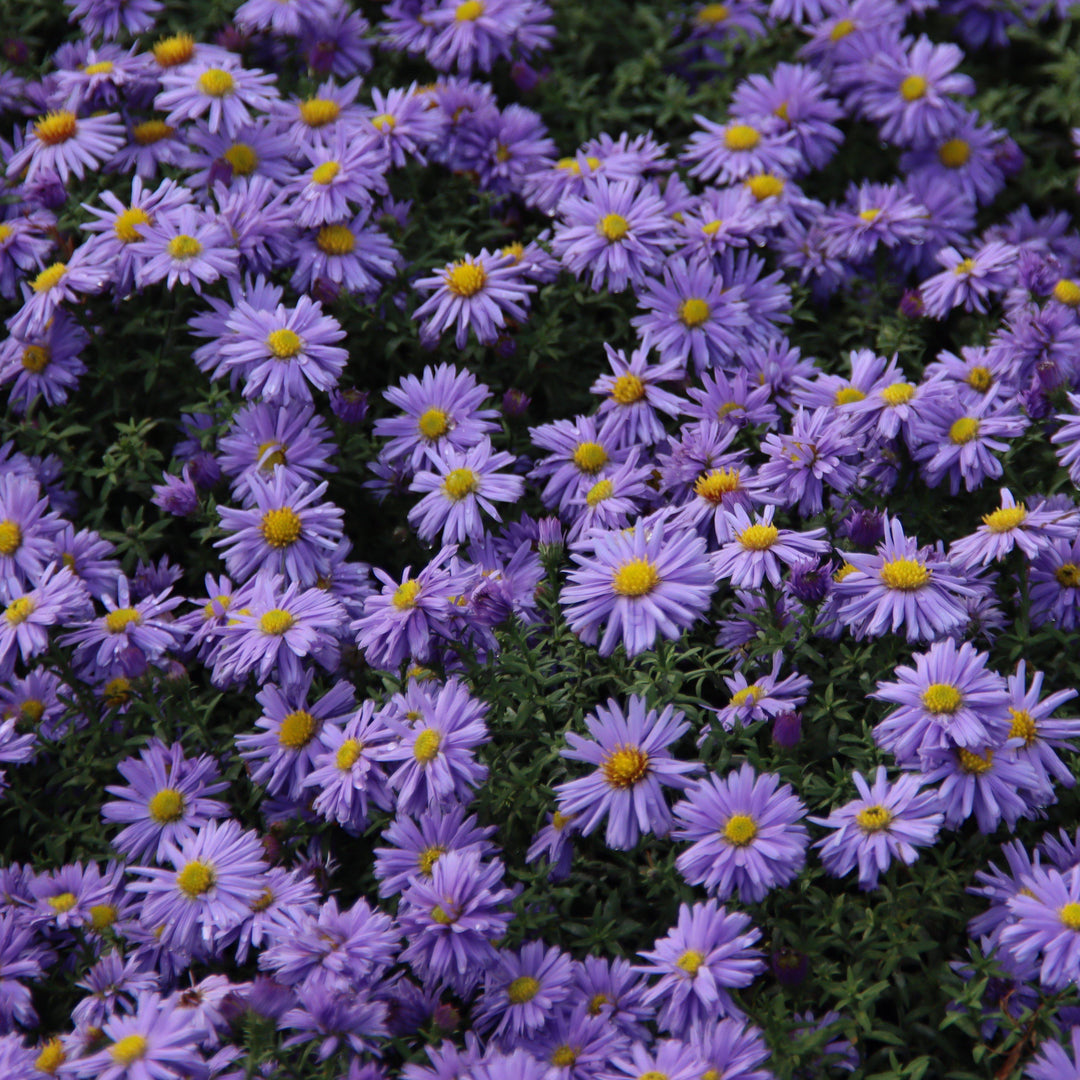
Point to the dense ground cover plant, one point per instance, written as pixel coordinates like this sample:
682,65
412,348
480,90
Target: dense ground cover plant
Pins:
539,542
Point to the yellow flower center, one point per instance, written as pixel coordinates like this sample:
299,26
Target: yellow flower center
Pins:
102,916
1067,292
348,754
1070,916
51,1057
627,389
325,173
1067,575
151,131
568,164
713,486
117,692
469,11
427,745
267,461
128,1050
590,457
740,830
102,67
433,424
597,1002
384,122
459,483
711,228
184,247
898,394
973,763
690,962
318,112
405,594
276,622
941,698
216,83
841,30
297,729
523,988
1005,518
124,225
712,14
427,858
979,378
195,879
765,186
654,1074
263,900
873,819
747,693
955,153
963,430
166,806
781,111
869,215
19,610
846,395
175,50
466,279
32,709
907,575
759,537
49,278
241,158
613,227
693,312
913,88
635,578
56,127
559,820
117,621
625,766
601,490
965,266
438,915
10,537
281,527
284,343
564,1056
335,240
62,902
741,137
1023,726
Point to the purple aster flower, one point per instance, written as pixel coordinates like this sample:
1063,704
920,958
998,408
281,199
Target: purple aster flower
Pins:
288,530
255,151
887,821
59,283
963,157
284,18
612,989
353,254
458,488
1055,585
523,990
24,246
479,291
759,548
189,246
1067,439
653,579
632,398
731,401
1010,526
968,280
746,834
208,891
504,147
763,698
324,1012
874,215
578,451
901,584
281,754
177,495
276,630
436,752
553,843
66,144
616,232
287,897
732,151
165,801
613,501
219,89
471,34
735,1049
1053,1061
948,699
407,617
27,529
1040,731
89,558
22,958
708,952
404,123
342,177
1046,916
281,354
576,1045
157,1039
451,920
669,1058
633,765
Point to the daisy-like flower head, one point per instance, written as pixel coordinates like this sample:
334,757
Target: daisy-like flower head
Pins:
1055,585
901,584
341,177
217,88
189,246
579,451
208,891
887,821
461,485
1046,926
165,800
632,396
735,150
524,989
27,530
1039,730
968,281
707,953
1013,525
633,765
469,34
477,292
949,699
616,232
66,144
60,282
1054,1062
649,581
758,549
764,697
746,834
672,1059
